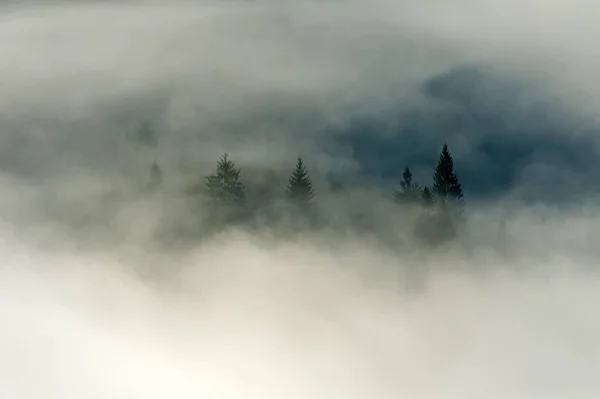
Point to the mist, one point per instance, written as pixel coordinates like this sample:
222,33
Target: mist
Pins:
107,290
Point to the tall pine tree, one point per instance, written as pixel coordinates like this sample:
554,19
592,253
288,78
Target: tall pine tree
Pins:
448,195
446,188
224,187
410,192
300,192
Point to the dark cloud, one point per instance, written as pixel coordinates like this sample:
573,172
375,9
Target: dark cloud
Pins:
502,139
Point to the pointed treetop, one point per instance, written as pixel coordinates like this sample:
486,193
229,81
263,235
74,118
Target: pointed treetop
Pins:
225,185
224,162
406,178
445,180
409,192
446,188
299,188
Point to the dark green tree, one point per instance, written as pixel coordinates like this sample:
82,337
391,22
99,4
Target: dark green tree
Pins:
446,188
300,192
409,192
448,196
224,187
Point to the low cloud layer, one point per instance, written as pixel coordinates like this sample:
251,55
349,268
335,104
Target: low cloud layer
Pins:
240,320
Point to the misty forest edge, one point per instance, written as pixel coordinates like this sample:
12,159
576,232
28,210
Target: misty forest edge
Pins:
439,207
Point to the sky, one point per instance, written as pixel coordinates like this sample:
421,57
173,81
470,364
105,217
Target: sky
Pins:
95,307
355,89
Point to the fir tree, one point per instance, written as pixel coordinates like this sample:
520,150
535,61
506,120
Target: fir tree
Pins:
410,192
446,188
448,195
300,191
224,187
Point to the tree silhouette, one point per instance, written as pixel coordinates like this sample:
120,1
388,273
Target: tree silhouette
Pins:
224,187
300,191
448,195
446,188
410,192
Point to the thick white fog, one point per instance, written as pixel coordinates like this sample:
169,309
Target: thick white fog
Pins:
243,320
94,306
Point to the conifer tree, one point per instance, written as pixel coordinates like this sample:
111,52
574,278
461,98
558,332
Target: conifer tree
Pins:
448,196
300,191
427,198
224,187
410,192
446,188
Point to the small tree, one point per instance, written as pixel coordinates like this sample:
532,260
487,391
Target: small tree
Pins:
224,187
410,192
226,195
300,191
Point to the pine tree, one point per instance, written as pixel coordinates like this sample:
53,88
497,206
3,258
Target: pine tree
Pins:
410,192
300,191
448,196
446,188
224,187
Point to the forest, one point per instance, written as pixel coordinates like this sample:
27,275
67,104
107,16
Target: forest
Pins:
292,204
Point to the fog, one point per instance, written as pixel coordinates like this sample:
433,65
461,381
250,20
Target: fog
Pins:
240,319
109,292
